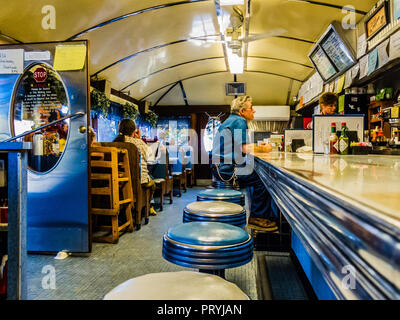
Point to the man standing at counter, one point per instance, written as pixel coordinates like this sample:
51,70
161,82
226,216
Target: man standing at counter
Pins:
230,145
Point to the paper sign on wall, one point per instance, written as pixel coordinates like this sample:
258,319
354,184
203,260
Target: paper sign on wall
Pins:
372,61
383,56
354,71
340,84
394,48
349,79
69,57
396,9
37,55
12,61
361,45
364,66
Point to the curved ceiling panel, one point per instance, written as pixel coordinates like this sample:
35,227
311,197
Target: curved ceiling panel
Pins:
147,65
280,48
363,5
286,69
207,89
294,17
146,87
123,38
173,96
265,89
72,16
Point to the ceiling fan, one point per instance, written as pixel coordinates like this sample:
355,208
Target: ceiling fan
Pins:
233,33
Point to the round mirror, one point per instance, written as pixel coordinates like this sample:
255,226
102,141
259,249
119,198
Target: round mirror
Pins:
41,98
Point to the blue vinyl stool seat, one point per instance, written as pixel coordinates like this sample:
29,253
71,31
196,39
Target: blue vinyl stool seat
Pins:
228,195
215,211
210,247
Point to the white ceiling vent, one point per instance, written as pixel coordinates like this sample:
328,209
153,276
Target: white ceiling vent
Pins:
272,113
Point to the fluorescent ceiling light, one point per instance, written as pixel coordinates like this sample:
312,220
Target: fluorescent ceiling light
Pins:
231,2
236,63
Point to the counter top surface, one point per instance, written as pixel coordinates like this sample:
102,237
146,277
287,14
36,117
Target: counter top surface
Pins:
371,182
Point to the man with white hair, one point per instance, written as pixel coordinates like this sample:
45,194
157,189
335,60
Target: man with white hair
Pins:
230,145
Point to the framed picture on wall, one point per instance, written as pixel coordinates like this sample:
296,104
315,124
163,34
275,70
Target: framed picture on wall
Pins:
378,20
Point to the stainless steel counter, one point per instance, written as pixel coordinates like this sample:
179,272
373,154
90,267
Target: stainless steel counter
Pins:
346,212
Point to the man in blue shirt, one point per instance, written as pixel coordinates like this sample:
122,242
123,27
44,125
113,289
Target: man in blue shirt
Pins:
231,144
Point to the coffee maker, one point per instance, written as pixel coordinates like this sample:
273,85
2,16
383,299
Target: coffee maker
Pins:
391,115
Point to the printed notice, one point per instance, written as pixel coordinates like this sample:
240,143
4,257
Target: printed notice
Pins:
354,71
372,61
349,79
394,48
396,9
37,55
69,57
12,61
364,66
361,45
340,84
383,56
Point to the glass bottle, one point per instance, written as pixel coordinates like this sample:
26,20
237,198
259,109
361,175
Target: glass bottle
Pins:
333,140
344,140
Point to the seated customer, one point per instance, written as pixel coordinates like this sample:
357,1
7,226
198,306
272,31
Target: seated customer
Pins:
230,145
129,133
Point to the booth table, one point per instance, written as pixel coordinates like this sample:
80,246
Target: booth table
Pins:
344,212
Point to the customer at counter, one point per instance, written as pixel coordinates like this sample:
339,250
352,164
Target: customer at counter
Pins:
230,145
129,133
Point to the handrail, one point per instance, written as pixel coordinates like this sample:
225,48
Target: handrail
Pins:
78,114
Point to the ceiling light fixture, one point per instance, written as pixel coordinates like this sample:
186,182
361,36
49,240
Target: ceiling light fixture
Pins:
236,62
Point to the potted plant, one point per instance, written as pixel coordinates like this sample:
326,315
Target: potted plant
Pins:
151,117
100,104
130,111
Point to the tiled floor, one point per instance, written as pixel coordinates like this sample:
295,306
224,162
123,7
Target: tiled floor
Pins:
138,253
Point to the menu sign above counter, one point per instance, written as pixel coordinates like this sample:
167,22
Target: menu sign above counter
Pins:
332,56
337,51
322,63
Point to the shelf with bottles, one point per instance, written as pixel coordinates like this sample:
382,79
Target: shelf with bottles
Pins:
375,110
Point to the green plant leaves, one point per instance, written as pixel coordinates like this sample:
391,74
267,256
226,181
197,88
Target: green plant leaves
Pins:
99,103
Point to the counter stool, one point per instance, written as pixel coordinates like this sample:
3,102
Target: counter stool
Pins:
181,285
228,195
215,211
210,247
223,185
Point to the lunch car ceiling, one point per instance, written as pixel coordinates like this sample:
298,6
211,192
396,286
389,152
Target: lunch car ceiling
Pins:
169,49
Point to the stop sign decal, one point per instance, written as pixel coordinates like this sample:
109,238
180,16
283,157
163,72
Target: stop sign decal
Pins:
40,75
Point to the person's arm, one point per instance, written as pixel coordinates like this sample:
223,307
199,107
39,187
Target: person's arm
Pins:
252,148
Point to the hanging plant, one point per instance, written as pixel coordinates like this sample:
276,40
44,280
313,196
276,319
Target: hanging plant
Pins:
130,111
151,117
99,102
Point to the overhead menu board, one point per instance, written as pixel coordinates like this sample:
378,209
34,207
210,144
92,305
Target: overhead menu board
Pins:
332,56
322,63
337,51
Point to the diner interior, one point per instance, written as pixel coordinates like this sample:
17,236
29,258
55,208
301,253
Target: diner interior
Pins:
80,217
